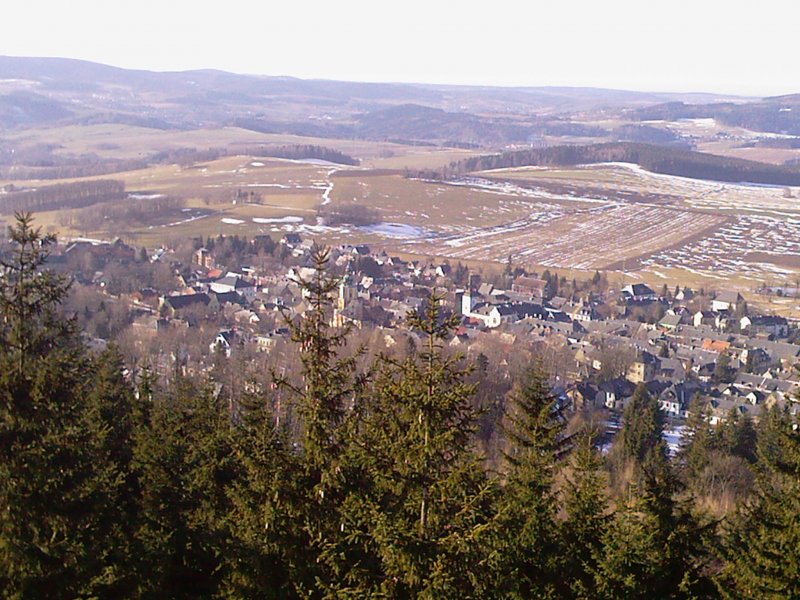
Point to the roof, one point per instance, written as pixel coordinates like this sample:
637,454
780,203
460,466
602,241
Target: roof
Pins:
768,320
716,345
235,282
292,238
639,289
185,300
670,320
730,297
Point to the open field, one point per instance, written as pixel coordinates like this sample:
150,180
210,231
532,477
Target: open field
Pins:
597,238
694,231
131,142
658,228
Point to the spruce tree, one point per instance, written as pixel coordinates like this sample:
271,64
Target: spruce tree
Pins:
55,487
326,400
534,429
185,466
762,546
697,443
585,503
655,547
640,439
265,539
423,513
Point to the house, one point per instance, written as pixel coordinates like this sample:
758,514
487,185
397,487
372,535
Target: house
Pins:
704,317
671,369
267,342
718,346
769,325
171,304
722,319
585,313
246,316
757,360
221,299
613,394
233,283
644,368
726,301
639,292
224,341
292,240
581,394
203,258
443,270
670,322
529,287
485,289
676,398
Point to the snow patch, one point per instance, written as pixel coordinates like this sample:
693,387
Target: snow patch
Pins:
395,230
278,220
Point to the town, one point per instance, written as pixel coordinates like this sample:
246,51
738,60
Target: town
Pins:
181,309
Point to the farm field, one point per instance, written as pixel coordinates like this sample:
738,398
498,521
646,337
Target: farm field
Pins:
132,142
617,217
657,227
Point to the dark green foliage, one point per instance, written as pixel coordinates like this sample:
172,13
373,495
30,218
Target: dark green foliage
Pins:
184,462
654,548
586,506
425,507
762,550
265,539
640,438
535,432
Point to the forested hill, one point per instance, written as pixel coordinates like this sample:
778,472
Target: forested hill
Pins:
658,159
780,114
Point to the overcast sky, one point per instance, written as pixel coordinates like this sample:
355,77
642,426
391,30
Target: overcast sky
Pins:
728,46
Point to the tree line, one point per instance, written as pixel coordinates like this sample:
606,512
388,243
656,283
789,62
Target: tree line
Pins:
355,479
63,195
658,159
304,152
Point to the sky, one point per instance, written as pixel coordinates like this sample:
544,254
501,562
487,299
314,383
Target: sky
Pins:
730,47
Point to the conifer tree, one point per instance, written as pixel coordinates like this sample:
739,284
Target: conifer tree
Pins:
424,510
587,514
326,399
762,549
185,466
697,443
655,547
109,417
640,439
535,433
265,540
52,481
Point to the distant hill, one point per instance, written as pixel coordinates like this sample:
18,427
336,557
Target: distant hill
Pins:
76,91
779,114
657,159
28,108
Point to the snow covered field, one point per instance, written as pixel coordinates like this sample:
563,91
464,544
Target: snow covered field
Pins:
714,229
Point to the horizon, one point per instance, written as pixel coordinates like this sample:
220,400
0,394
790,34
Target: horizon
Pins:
717,48
699,92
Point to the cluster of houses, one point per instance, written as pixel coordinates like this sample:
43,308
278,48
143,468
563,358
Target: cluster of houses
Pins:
702,356
712,350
